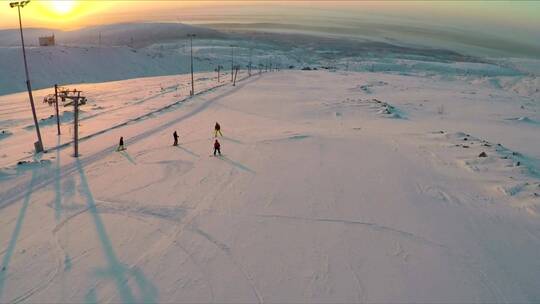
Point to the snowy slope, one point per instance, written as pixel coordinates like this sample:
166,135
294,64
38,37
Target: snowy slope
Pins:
66,65
109,105
334,187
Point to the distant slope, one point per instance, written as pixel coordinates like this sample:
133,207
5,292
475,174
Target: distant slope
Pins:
467,42
78,64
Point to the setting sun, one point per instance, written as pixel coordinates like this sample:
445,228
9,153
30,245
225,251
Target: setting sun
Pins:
62,6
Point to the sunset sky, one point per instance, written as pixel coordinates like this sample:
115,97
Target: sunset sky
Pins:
70,14
520,19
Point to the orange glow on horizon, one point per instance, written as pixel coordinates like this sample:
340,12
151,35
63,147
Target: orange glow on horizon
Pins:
75,14
59,14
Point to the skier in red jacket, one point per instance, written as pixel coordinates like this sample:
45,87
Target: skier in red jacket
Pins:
217,148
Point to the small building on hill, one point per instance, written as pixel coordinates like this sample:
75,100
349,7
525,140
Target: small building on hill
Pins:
46,41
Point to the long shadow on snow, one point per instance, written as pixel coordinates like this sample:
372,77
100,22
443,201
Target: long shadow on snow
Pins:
58,213
15,235
236,141
237,164
15,193
127,156
57,187
115,269
188,151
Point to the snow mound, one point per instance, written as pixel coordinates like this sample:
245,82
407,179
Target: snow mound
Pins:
381,108
511,173
524,119
387,110
369,87
525,86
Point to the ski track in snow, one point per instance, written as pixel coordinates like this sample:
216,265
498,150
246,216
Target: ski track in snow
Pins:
228,252
371,226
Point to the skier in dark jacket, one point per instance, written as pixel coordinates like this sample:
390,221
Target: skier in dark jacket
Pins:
121,144
217,148
217,129
175,135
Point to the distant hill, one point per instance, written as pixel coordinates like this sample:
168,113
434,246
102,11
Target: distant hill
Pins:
156,49
132,34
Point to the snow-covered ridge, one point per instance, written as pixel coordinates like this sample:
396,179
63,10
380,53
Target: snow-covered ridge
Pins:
65,65
140,50
123,34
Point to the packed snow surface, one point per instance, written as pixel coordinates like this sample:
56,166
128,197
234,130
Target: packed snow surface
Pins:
334,187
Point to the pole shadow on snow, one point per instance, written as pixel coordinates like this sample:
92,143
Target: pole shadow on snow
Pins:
8,254
188,151
237,164
57,187
57,206
236,141
91,297
115,270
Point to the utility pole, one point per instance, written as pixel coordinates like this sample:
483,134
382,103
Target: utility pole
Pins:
235,74
56,105
76,125
250,55
192,78
39,144
232,62
218,72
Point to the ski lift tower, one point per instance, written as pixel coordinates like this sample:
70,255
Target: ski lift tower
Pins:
76,98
